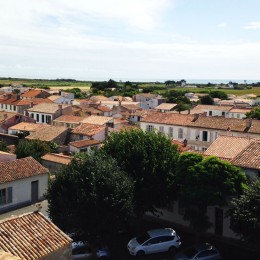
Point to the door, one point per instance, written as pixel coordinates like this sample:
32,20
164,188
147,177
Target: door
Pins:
34,191
218,221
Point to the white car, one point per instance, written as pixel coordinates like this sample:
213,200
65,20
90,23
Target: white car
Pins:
154,241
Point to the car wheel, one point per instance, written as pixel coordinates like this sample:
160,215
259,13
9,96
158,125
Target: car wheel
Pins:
140,254
172,249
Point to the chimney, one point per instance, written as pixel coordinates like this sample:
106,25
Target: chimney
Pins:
31,104
60,107
196,117
249,122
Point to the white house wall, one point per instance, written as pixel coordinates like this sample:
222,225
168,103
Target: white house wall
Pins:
21,190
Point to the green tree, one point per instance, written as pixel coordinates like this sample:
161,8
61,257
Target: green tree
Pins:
206,100
149,158
255,113
218,94
91,197
245,213
204,182
3,146
34,148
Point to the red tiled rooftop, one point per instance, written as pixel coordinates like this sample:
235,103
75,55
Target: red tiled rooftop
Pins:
84,143
31,236
88,129
57,158
20,169
249,157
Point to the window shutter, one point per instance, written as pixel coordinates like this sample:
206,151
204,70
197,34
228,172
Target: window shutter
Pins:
10,195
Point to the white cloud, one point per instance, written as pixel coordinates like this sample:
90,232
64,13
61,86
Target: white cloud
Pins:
252,25
222,25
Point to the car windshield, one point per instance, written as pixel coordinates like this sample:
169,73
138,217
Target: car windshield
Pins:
190,252
142,238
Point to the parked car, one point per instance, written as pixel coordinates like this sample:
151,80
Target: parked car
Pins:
82,250
199,252
154,241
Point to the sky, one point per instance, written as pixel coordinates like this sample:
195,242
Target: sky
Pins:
153,40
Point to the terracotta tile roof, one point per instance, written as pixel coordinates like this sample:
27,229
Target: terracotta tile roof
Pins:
84,143
120,121
168,119
32,93
240,110
88,129
35,101
20,169
249,157
26,126
221,123
255,127
31,236
68,119
48,108
47,133
99,98
97,120
7,115
211,107
228,147
104,108
181,146
57,158
116,103
54,97
131,106
166,106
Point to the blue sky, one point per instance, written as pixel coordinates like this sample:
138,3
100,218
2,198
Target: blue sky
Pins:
130,39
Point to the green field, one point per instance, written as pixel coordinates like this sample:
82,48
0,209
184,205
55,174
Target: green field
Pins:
85,85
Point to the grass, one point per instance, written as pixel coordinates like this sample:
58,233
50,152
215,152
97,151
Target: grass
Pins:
85,85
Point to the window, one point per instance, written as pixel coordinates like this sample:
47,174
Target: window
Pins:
80,137
6,196
223,113
216,135
37,117
2,106
5,106
180,133
43,118
149,128
14,107
48,119
210,113
204,149
32,115
238,115
170,131
161,129
204,136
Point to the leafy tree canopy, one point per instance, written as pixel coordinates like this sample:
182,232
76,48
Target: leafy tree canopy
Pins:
3,146
34,148
245,213
206,100
203,182
255,113
218,94
149,158
91,198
